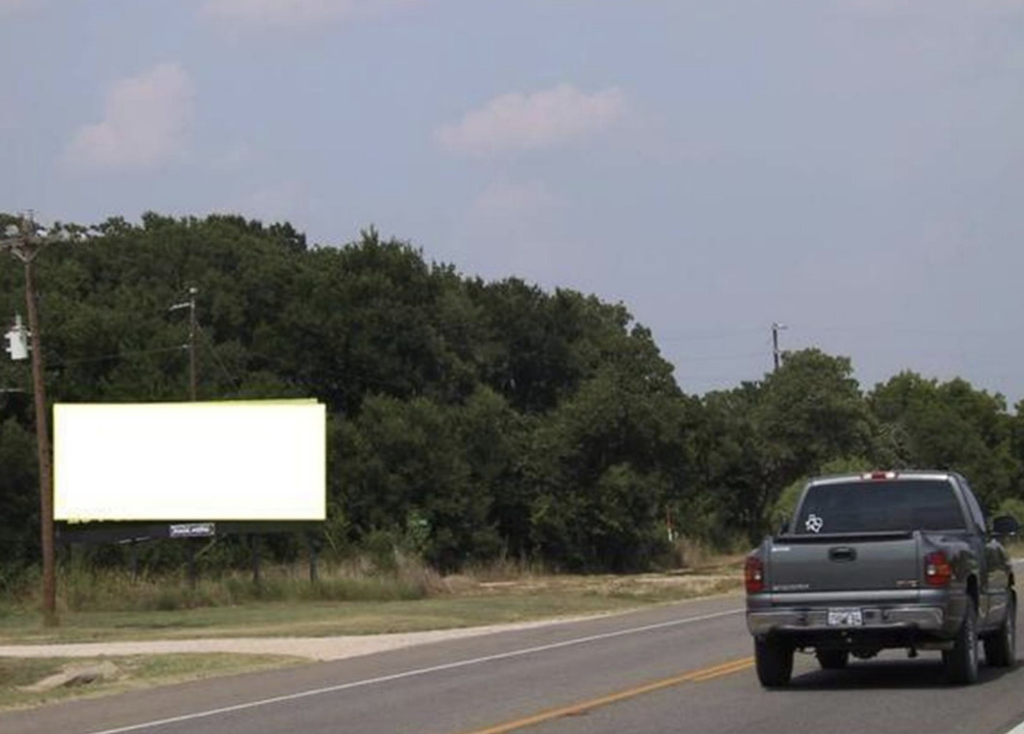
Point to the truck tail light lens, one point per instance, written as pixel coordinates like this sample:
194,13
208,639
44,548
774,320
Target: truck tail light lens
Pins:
879,476
753,575
937,569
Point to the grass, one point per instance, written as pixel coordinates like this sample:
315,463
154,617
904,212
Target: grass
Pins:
134,672
90,590
467,603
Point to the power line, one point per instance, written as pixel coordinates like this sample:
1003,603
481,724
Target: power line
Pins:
119,355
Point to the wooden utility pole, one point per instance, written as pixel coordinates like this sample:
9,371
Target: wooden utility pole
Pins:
24,241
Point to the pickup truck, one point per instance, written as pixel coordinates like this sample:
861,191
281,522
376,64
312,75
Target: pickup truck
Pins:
887,559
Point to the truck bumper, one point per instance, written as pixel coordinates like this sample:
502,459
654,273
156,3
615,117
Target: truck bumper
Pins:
879,619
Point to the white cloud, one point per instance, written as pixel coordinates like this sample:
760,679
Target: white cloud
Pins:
145,122
296,13
545,119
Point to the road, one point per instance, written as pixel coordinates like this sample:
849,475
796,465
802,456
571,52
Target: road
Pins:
679,668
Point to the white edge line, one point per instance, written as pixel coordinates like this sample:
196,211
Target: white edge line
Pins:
412,673
1019,729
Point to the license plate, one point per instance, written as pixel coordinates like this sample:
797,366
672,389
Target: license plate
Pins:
845,618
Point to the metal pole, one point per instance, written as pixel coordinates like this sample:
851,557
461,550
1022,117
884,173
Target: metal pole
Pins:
192,341
190,304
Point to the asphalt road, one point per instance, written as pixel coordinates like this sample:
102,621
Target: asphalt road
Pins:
679,668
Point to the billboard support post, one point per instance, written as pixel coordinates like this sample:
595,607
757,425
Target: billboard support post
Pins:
193,574
254,547
314,548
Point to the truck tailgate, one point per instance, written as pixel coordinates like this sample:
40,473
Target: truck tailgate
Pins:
823,563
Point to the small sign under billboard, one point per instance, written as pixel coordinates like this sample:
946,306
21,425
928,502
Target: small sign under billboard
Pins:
192,530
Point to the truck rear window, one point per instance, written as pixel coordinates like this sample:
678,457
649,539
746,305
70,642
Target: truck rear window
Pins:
879,506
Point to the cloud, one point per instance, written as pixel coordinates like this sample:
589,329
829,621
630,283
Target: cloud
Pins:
145,122
296,13
546,119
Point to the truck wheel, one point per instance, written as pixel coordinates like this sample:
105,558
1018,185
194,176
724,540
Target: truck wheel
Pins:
962,661
1001,646
774,662
832,659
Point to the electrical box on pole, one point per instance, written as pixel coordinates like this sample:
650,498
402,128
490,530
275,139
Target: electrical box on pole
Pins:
17,340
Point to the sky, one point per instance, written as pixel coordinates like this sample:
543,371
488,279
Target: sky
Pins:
852,169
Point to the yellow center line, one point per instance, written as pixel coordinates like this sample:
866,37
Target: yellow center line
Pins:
694,676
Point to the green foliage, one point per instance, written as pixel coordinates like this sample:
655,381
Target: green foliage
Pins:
1012,506
19,500
951,426
469,422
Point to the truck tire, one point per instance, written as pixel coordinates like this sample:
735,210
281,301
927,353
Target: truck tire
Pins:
1001,646
832,659
962,661
774,662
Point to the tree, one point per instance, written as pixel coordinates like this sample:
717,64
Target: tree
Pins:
605,463
950,426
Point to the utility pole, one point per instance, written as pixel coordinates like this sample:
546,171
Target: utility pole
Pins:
776,328
24,241
190,304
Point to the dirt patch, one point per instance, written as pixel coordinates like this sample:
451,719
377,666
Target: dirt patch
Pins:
311,648
76,675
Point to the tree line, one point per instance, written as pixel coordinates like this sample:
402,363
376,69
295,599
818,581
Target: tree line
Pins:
467,420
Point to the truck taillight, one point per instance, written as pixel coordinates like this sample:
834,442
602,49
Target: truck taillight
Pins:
753,575
937,569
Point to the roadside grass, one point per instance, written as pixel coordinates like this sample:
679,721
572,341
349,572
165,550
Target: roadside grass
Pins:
362,595
463,602
132,672
84,589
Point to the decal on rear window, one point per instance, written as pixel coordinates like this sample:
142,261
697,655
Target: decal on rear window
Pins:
814,523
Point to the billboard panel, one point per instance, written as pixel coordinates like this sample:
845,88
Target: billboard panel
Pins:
257,460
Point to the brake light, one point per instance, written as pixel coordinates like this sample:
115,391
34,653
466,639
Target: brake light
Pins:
937,569
753,575
877,476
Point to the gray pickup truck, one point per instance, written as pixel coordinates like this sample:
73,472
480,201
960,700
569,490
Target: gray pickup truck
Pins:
883,560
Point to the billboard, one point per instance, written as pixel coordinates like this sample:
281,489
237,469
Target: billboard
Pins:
247,460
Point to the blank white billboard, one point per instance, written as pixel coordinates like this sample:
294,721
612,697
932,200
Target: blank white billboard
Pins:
253,460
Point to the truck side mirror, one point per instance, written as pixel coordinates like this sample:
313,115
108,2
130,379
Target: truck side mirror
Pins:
784,528
1005,525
